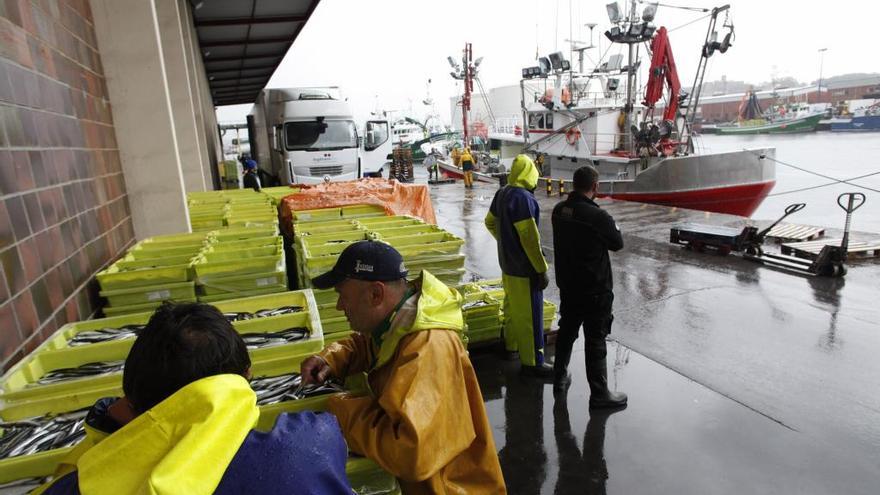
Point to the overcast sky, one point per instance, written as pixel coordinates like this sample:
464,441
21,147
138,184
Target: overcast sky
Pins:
382,53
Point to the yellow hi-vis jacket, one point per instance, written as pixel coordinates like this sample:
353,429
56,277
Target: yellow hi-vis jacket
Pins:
425,421
179,446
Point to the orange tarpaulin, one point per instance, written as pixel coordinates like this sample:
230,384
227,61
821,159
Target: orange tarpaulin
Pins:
394,197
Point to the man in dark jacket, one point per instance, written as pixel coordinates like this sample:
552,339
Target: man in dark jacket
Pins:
583,234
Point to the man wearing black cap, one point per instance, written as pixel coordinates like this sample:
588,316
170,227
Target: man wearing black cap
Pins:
424,420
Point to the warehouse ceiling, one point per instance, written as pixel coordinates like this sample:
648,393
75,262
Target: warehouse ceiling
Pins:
243,41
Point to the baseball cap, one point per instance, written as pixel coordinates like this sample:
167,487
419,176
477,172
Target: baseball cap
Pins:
364,260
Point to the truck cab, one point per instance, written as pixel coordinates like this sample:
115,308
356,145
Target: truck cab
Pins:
312,137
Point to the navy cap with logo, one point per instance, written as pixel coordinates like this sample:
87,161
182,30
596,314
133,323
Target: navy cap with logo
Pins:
364,260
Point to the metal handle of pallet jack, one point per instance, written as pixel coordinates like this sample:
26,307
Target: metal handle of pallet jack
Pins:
793,208
850,207
855,197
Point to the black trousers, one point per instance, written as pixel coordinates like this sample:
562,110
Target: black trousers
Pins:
590,311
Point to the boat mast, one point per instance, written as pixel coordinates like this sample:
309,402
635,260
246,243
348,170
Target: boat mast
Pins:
630,84
710,46
467,61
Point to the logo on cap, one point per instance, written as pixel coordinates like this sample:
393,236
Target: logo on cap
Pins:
362,267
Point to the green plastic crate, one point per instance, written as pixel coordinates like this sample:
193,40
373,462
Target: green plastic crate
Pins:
424,228
138,308
306,229
317,215
217,264
128,273
212,286
390,220
150,294
246,293
363,211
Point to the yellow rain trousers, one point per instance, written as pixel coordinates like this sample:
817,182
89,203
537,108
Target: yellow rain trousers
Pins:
512,221
182,445
424,420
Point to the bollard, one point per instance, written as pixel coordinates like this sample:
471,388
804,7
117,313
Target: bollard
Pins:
549,186
561,187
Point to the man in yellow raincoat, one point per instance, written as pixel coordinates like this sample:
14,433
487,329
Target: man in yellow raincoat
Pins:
424,420
468,164
513,222
186,423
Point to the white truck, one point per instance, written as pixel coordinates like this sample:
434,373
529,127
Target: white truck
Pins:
309,135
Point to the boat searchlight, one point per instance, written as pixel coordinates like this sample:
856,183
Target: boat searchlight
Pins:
613,12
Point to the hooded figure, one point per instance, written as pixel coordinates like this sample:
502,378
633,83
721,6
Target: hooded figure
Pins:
513,222
186,423
424,420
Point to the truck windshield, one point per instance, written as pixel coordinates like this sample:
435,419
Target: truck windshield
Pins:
308,136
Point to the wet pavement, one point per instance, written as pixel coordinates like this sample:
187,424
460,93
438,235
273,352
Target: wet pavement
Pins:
741,378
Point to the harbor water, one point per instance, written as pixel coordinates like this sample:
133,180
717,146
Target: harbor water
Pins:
838,155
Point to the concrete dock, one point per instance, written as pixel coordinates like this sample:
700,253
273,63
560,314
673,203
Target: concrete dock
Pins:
741,378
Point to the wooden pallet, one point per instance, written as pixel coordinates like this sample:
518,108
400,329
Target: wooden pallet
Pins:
811,249
795,233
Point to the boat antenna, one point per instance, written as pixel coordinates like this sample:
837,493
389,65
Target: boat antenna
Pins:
710,46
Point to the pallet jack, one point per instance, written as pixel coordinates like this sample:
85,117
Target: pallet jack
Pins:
749,242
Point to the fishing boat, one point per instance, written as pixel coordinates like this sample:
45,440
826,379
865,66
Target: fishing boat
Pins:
641,154
864,120
778,119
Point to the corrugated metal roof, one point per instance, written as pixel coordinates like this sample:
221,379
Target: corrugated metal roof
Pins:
243,41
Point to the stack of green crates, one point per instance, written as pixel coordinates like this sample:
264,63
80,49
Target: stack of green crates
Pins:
213,210
22,400
320,239
241,262
495,288
483,321
276,194
155,270
206,210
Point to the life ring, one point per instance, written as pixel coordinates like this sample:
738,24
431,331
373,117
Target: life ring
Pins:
573,135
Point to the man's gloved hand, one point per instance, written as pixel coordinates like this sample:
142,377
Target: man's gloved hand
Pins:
314,370
540,280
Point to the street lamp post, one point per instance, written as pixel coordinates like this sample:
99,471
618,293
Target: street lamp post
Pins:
819,88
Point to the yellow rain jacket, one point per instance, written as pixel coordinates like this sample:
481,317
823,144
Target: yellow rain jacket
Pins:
519,247
425,421
179,446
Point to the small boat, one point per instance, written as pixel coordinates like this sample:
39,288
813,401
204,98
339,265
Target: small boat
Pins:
452,171
864,120
780,126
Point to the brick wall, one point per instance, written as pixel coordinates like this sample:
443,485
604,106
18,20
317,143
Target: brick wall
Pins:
64,212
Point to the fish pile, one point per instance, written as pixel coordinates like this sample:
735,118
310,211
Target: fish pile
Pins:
34,435
129,331
257,340
104,335
263,313
82,371
271,390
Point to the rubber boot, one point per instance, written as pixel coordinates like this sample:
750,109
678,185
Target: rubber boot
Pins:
600,396
561,376
542,371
